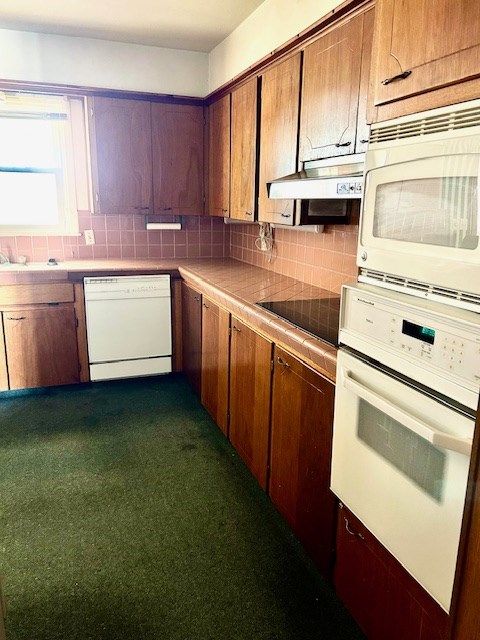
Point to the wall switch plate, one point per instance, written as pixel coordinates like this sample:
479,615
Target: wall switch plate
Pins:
89,236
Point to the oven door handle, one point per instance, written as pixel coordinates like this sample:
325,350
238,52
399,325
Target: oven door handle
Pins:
422,429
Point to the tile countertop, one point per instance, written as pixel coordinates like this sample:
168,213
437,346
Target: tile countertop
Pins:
235,285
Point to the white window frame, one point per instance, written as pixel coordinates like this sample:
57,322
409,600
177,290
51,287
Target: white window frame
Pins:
73,179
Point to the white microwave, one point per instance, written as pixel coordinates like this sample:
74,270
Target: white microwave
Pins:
420,221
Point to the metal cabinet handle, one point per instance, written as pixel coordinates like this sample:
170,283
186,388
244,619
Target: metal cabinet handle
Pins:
282,362
236,329
206,306
399,76
364,141
353,533
248,213
196,298
142,208
224,210
285,215
17,318
343,144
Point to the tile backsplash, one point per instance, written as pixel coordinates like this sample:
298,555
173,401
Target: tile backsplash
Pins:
325,259
124,237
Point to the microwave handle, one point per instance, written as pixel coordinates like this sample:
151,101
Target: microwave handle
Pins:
425,431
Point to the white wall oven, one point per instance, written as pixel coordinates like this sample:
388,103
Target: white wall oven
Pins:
408,378
420,224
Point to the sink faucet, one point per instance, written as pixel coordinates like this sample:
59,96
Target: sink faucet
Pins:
4,259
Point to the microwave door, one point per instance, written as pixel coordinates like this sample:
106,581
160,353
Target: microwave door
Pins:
420,218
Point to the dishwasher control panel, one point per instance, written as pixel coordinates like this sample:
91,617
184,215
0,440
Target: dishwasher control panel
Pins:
127,286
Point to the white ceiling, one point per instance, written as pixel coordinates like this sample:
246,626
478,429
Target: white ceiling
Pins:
186,24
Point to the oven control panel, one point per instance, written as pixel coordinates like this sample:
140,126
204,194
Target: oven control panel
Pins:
408,334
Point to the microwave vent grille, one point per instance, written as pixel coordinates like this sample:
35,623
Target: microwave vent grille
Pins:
440,123
454,297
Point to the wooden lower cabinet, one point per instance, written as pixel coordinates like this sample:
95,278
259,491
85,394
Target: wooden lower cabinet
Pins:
215,361
300,455
250,388
41,346
192,336
379,593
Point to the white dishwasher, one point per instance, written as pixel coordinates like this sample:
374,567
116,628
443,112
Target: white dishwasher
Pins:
129,327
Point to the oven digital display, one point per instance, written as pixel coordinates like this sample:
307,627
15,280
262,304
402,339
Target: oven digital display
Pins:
420,333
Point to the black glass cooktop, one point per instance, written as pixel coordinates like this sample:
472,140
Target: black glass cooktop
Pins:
319,317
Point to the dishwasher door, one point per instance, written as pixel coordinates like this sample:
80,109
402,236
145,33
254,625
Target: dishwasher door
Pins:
128,326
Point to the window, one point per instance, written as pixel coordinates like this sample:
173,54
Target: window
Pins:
43,164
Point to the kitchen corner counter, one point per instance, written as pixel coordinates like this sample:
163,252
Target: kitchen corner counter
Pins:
237,286
234,285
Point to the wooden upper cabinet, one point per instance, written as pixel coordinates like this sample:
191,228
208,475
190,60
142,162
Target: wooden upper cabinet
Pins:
218,201
331,80
122,156
278,136
177,140
363,129
244,152
250,385
437,40
41,346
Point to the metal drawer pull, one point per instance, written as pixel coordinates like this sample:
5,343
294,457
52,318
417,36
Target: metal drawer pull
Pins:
343,144
282,362
248,213
286,215
399,76
18,318
352,533
421,428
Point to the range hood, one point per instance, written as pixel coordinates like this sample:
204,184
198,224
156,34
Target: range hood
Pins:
339,178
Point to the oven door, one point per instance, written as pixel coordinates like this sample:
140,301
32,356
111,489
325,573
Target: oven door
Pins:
400,464
421,213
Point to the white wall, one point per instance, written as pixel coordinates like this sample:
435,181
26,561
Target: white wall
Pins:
100,63
271,25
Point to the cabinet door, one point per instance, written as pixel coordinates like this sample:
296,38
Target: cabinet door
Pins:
278,136
122,156
41,345
331,78
215,361
439,42
250,386
382,597
219,158
363,129
300,455
3,359
244,151
177,140
192,335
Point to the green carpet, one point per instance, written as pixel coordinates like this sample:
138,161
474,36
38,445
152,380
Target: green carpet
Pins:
126,515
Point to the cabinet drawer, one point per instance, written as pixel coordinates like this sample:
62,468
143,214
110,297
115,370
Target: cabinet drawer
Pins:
16,294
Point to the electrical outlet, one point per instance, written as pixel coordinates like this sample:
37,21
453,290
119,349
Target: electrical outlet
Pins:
89,236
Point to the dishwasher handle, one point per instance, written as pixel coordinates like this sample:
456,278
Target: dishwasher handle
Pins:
421,428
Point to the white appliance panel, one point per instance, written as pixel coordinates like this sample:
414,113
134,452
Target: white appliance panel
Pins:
407,491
